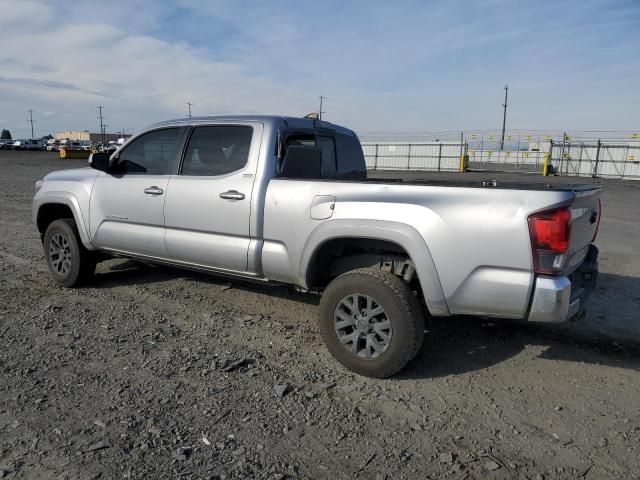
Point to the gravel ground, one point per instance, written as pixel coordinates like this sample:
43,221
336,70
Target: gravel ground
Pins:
157,373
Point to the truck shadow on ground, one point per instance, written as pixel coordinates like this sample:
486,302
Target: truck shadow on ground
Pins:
467,344
131,272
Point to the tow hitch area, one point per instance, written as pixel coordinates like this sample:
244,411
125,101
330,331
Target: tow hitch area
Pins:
583,282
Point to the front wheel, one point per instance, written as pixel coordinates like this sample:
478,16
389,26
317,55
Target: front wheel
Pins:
69,262
371,322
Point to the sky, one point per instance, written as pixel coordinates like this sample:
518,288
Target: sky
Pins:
383,66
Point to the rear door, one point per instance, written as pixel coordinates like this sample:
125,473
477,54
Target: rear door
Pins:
126,209
208,203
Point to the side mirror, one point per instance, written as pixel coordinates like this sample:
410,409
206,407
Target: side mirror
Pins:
99,161
302,162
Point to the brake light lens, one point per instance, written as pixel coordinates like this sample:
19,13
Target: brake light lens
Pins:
550,233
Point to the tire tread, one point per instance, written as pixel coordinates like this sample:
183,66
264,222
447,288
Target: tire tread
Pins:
87,261
410,307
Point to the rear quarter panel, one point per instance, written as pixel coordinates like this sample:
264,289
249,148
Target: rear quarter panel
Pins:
476,240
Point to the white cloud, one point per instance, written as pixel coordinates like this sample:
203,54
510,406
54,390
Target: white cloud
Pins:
138,78
421,66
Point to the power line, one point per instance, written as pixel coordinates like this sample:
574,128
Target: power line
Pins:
190,105
504,116
320,111
31,121
102,125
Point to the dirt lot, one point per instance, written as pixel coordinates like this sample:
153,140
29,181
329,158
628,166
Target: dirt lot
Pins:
159,373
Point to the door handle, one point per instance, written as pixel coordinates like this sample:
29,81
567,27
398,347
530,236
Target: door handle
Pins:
153,190
232,195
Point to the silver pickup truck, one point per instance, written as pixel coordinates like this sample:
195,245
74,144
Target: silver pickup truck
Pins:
286,200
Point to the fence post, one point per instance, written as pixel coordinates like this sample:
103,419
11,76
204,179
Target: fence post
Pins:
595,168
439,154
545,165
375,161
579,170
409,158
547,158
462,152
564,140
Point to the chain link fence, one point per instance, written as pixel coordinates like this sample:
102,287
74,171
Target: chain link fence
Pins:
595,154
426,156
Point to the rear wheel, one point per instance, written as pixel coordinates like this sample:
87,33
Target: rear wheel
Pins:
371,322
69,262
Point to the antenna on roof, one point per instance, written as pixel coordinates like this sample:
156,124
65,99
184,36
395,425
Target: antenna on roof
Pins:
317,115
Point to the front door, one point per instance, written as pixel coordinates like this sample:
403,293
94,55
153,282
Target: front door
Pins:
208,203
126,210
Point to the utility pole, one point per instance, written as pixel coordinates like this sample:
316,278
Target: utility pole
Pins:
31,121
504,116
320,112
102,125
190,105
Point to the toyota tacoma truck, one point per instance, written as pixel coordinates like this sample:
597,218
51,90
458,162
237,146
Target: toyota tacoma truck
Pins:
287,200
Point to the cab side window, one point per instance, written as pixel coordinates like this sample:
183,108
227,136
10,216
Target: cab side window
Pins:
327,146
351,162
153,153
217,150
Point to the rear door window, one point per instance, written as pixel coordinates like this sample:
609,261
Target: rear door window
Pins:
217,150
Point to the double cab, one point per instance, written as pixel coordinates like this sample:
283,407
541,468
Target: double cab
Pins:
287,201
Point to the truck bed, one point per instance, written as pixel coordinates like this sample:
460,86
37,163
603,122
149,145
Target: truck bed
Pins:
513,181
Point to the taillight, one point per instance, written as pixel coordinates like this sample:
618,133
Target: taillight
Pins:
599,217
550,233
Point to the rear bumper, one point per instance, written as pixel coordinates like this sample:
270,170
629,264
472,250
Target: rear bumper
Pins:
557,299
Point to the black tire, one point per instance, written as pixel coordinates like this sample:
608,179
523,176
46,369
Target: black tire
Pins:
401,309
81,262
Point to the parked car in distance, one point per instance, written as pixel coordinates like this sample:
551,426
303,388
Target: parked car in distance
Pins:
71,144
52,145
27,144
286,200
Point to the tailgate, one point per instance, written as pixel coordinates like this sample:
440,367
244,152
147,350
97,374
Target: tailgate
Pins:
585,217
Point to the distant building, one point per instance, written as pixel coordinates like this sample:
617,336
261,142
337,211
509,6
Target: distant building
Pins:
87,136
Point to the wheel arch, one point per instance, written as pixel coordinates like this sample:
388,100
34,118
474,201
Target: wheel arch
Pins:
396,237
62,205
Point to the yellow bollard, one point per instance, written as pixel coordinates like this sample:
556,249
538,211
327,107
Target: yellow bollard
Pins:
463,163
64,153
545,165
